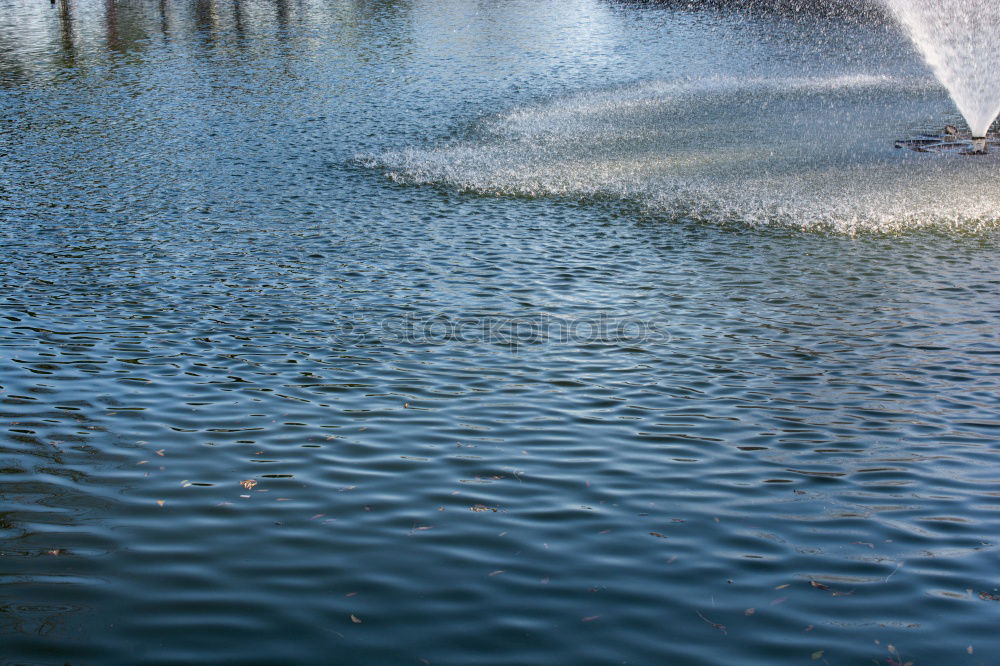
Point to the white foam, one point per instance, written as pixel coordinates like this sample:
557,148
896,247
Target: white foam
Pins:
805,152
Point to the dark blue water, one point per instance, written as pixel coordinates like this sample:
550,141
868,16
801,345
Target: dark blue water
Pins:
272,394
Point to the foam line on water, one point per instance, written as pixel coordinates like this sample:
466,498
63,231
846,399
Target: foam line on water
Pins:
810,152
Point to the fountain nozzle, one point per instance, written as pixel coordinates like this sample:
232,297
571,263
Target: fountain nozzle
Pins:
978,146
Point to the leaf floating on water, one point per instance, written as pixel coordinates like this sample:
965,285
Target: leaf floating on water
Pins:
779,600
479,508
159,452
658,535
819,586
355,619
590,618
818,654
781,587
969,649
497,572
248,483
185,483
161,502
750,611
986,596
715,625
351,594
142,462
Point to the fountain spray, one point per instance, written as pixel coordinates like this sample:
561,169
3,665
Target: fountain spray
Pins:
960,41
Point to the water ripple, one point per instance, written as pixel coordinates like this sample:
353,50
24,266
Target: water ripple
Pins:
261,405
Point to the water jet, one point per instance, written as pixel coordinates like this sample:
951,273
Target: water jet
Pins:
958,41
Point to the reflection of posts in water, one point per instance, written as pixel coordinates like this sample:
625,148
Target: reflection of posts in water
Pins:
281,13
111,25
66,33
164,24
205,16
238,19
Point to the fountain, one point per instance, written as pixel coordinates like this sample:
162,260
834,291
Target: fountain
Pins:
958,40
800,131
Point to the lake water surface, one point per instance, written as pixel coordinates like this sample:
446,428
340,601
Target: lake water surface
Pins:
517,332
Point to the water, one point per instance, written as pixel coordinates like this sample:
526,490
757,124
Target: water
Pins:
495,414
815,157
760,143
959,42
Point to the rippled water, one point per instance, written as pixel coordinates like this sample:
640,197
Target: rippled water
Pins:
490,418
